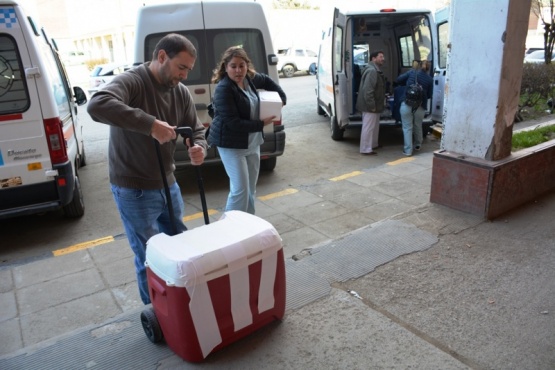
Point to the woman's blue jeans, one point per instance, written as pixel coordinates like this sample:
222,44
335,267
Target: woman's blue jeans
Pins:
144,213
242,167
412,127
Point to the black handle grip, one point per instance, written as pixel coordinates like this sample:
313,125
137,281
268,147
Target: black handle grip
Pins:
185,131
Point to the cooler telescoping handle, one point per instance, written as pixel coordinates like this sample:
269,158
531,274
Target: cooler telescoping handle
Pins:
187,132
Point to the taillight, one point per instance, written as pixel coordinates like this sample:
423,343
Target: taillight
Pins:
56,141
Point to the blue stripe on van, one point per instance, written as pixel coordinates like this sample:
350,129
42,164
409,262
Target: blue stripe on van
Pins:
1,159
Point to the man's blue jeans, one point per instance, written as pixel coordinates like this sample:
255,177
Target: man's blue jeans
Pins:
144,213
242,167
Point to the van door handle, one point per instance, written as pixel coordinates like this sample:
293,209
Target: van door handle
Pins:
32,72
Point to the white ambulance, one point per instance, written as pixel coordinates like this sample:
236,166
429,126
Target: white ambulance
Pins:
213,26
41,145
403,35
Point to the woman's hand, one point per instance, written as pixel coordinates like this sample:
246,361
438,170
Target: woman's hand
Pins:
268,120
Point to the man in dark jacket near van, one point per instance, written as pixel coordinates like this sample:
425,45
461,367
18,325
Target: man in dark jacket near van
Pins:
141,105
371,102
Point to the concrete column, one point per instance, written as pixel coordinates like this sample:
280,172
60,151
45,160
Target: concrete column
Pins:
475,171
483,78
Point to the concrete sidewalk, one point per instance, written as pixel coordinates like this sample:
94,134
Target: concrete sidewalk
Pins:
423,287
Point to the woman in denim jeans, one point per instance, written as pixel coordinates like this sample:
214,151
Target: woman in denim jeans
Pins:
145,103
237,129
411,118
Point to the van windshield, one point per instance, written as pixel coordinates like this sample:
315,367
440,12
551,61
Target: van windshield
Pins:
218,40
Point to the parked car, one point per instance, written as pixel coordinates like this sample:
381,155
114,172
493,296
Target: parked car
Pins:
537,56
531,50
74,58
292,60
104,73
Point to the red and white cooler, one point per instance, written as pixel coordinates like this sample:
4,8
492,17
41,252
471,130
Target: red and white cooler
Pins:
217,283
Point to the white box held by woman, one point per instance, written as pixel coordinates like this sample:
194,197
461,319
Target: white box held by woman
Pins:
270,105
216,283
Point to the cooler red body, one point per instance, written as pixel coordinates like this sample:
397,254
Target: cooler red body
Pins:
172,304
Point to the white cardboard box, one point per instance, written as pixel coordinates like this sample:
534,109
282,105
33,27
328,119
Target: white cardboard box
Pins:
270,105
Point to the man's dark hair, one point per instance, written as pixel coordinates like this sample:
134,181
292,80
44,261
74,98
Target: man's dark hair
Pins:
173,44
374,54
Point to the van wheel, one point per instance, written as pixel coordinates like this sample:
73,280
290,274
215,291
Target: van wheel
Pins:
319,109
288,71
268,164
336,132
76,208
82,157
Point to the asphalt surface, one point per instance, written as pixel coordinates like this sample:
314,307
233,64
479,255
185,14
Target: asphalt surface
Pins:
417,285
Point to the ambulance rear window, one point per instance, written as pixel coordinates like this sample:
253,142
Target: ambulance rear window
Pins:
14,97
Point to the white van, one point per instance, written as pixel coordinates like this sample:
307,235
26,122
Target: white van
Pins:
440,71
403,35
213,26
41,144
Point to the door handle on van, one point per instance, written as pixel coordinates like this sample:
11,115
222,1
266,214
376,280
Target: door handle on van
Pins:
272,59
32,71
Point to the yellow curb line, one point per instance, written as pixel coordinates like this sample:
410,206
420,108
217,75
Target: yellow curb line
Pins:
346,176
278,194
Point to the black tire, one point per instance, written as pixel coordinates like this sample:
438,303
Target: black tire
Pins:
268,164
336,132
151,326
319,109
82,157
288,71
75,208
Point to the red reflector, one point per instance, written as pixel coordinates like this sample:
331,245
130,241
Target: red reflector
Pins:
11,117
388,10
62,181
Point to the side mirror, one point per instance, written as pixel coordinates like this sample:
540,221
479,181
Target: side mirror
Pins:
80,96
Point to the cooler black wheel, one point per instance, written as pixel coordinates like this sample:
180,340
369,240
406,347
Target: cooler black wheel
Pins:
151,326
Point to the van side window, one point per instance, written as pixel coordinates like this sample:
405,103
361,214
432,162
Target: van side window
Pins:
443,36
14,96
416,46
406,46
56,83
337,55
423,39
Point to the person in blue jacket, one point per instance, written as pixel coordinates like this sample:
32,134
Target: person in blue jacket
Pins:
412,118
237,129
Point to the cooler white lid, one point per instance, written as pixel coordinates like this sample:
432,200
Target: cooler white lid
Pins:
235,241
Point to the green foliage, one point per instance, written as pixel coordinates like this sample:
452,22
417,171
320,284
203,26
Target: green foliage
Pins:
537,87
91,63
528,138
